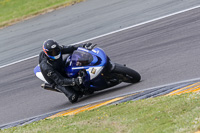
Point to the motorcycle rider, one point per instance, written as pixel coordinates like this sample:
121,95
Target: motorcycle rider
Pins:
52,67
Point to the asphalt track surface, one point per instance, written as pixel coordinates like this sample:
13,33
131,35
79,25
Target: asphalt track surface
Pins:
80,22
163,52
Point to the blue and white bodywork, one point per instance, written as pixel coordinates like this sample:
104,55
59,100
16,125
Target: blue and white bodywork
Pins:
92,61
96,69
38,73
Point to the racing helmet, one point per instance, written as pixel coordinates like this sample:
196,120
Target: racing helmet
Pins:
52,49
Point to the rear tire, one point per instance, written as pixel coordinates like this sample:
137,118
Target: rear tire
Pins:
129,75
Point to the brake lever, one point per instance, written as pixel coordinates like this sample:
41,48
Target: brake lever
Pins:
93,45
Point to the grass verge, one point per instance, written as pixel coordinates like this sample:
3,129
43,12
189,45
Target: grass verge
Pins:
167,114
13,11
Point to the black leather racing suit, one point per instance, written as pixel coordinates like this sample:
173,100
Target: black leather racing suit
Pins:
53,70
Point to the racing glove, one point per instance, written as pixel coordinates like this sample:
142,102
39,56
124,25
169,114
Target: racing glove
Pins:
89,46
77,81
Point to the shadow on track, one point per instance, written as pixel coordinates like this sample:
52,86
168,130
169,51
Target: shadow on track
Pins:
82,100
106,91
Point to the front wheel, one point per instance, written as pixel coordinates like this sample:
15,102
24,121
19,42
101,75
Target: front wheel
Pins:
126,74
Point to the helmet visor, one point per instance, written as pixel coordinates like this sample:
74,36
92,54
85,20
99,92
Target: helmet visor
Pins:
55,57
53,52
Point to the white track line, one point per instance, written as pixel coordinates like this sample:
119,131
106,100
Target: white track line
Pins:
153,20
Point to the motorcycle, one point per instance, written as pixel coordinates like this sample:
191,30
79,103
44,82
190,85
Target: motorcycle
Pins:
96,70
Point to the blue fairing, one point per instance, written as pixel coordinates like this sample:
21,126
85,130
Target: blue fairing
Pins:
83,59
37,69
97,55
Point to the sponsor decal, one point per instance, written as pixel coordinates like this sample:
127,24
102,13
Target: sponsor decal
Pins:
95,51
53,46
93,71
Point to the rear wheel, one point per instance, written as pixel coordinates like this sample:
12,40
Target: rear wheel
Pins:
126,74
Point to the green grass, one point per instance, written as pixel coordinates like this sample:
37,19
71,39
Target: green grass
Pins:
12,11
167,114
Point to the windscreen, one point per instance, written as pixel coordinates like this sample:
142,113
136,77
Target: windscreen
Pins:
81,58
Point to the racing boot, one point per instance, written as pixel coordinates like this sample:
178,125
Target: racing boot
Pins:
69,92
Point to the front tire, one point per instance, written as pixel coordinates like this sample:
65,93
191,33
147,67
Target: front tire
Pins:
128,75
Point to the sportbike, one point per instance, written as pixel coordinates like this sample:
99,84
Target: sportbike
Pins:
96,70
